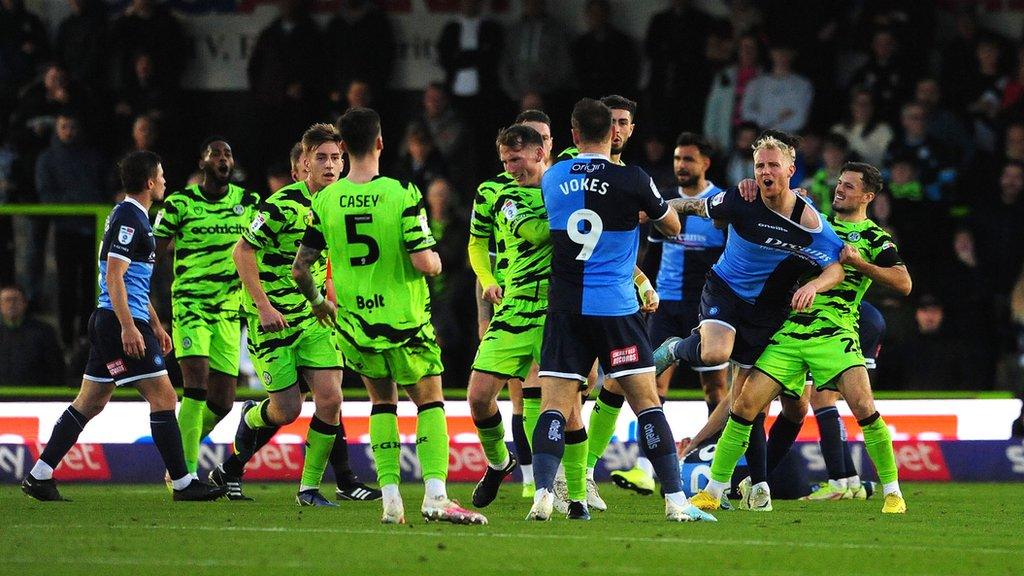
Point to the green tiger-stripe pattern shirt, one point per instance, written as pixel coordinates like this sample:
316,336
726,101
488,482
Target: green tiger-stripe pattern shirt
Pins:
529,264
276,232
206,284
482,225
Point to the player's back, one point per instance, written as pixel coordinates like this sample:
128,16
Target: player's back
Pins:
767,253
370,230
593,208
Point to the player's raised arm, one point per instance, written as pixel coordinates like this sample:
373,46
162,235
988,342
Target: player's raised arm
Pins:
829,278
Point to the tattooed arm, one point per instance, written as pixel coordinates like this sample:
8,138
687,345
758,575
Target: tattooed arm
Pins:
324,309
690,206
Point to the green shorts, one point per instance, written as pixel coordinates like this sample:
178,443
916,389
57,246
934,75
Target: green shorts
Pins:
219,340
278,356
413,361
822,348
513,339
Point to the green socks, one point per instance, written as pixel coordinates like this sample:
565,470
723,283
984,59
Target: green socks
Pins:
731,447
492,438
878,443
574,460
602,424
432,441
385,442
256,416
190,422
531,411
319,442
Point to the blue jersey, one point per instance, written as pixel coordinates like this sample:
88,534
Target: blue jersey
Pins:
766,253
128,236
593,207
686,258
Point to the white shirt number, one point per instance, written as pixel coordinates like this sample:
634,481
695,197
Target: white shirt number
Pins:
587,239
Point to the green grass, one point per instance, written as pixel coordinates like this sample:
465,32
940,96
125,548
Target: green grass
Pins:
970,529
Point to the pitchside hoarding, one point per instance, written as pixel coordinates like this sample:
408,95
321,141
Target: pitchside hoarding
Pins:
936,440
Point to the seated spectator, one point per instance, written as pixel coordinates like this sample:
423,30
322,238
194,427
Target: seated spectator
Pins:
450,133
933,165
739,162
82,43
869,136
781,99
421,162
30,353
820,185
722,110
886,74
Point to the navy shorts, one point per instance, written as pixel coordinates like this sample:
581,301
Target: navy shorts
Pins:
107,360
754,324
572,342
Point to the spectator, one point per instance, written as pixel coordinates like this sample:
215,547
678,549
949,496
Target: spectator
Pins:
146,92
30,353
885,74
470,51
1013,93
9,168
780,100
451,134
869,136
999,226
421,162
149,27
656,160
984,91
923,361
72,171
536,59
933,165
284,71
675,46
81,43
23,46
39,103
835,152
362,45
740,160
808,155
962,280
357,93
604,58
942,124
959,58
722,109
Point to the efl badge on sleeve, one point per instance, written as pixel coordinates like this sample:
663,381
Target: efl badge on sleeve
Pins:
125,234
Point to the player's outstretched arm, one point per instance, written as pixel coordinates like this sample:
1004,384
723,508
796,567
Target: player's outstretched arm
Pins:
244,255
896,277
829,278
131,339
426,261
689,206
324,309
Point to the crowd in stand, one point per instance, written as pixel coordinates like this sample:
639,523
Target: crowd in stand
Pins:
942,114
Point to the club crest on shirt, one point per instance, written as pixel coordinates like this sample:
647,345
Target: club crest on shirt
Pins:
509,209
238,209
854,236
125,234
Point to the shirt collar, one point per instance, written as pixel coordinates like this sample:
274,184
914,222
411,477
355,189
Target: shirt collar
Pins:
131,200
593,155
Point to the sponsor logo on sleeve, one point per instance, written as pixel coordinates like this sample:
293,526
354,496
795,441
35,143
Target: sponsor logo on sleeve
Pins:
509,210
718,199
125,234
257,223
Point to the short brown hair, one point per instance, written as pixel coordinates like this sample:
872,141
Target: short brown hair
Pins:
518,136
592,119
870,175
319,134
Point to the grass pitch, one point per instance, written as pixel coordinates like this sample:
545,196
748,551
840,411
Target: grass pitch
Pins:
970,529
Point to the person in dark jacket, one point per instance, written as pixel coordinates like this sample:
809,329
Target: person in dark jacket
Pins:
30,354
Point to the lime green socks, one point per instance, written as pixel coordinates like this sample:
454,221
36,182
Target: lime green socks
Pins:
190,422
492,438
531,411
385,443
574,460
319,442
731,447
878,443
256,417
432,441
601,427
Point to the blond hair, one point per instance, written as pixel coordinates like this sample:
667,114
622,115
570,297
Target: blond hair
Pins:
770,142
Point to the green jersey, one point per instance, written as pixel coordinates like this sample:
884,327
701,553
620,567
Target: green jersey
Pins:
482,223
205,231
369,231
528,263
841,305
276,232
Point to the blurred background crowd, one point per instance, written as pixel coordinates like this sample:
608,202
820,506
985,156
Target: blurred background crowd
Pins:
920,89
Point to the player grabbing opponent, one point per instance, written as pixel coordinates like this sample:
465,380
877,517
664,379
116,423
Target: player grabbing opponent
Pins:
376,231
128,341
